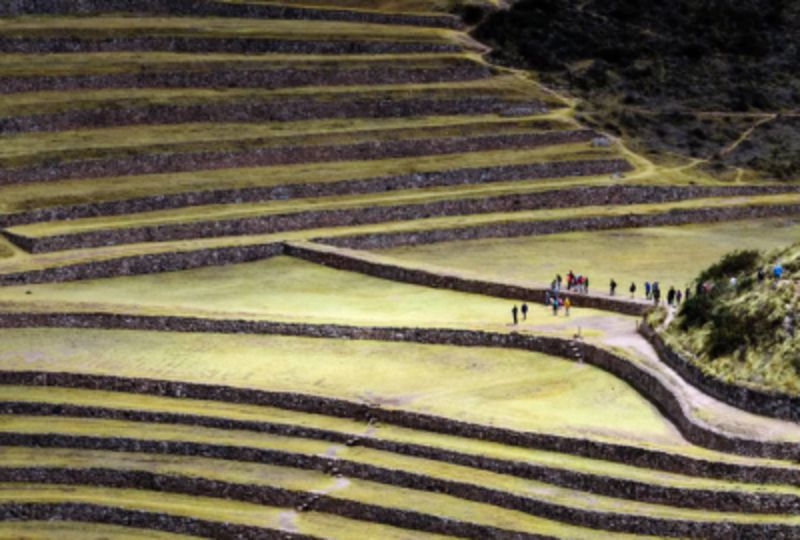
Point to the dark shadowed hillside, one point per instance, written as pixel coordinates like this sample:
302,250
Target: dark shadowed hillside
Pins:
682,76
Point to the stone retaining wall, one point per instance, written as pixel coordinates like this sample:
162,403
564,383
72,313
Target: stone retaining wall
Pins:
250,78
278,110
419,180
533,228
248,493
149,163
718,501
774,405
152,263
230,45
363,264
139,519
281,497
646,383
205,8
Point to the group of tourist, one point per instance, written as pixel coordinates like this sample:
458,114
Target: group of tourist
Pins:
555,300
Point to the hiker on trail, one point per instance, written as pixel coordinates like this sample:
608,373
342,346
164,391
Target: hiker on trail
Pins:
760,275
687,294
570,280
555,307
567,305
632,289
656,295
777,271
514,312
671,296
647,290
559,281
678,297
586,285
524,312
612,286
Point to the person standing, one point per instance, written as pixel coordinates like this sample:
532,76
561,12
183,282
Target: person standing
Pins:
514,312
567,305
586,285
555,306
656,295
687,294
678,297
524,311
647,290
612,287
671,296
632,289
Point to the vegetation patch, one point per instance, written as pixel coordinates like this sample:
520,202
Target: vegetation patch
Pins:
743,326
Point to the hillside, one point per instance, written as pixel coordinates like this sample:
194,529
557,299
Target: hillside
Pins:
277,270
712,80
747,333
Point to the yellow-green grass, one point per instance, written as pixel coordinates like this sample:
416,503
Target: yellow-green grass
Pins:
670,255
504,87
291,290
388,432
207,508
128,141
73,530
28,262
29,196
235,211
89,63
205,27
6,249
370,492
508,388
45,229
391,6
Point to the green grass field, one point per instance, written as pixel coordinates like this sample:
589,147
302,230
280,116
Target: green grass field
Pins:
513,389
670,255
284,289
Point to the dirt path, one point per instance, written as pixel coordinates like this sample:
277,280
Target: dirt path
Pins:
704,409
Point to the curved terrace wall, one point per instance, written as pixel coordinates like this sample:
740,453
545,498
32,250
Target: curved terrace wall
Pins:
363,264
206,8
648,384
285,155
138,519
231,45
247,78
775,405
533,228
151,263
280,497
278,110
715,500
449,177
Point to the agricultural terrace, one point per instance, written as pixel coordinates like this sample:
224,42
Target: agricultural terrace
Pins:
257,270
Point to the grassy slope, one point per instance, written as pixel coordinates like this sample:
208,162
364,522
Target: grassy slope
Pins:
365,491
742,337
670,255
388,432
653,72
105,26
499,387
281,289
